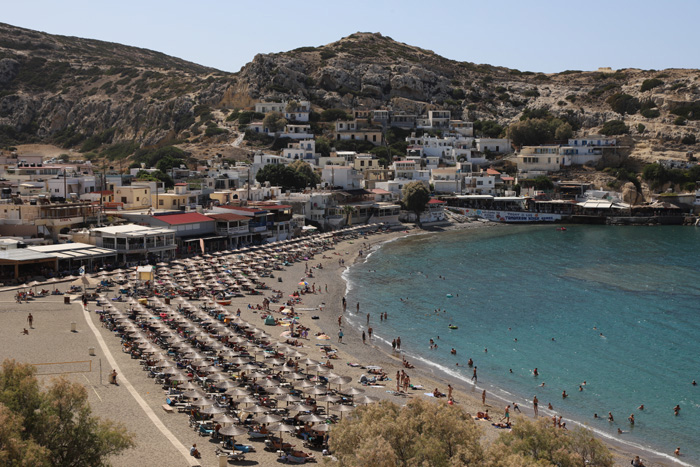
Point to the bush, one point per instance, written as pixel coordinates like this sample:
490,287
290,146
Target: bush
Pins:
488,128
650,113
689,139
531,93
331,115
120,150
690,111
680,121
327,54
641,128
651,83
571,98
614,127
623,103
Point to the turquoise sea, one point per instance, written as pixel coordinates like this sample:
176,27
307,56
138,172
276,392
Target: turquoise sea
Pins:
616,307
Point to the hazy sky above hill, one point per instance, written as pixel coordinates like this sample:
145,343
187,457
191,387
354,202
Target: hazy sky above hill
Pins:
545,36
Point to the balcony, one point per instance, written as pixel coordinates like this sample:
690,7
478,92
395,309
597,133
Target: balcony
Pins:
232,231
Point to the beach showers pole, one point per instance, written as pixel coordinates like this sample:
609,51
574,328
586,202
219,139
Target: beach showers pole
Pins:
100,372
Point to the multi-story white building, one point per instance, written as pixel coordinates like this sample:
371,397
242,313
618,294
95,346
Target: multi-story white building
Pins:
304,149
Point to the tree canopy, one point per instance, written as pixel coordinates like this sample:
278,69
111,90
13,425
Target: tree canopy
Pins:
295,176
415,197
421,433
54,427
274,121
437,434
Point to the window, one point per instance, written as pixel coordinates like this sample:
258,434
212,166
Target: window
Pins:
124,199
137,198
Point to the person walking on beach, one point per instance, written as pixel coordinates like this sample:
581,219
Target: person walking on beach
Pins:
474,378
340,336
369,333
483,397
393,345
367,319
113,377
30,321
449,392
398,343
534,406
358,307
340,319
363,337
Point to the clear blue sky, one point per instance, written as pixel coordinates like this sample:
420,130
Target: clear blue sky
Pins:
547,36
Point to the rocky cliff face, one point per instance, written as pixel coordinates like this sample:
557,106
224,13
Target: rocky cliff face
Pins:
66,87
372,70
54,87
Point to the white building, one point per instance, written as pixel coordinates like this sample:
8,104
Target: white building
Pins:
495,145
267,107
304,149
345,177
446,180
539,160
295,131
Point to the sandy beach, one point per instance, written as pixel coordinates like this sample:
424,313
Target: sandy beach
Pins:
52,340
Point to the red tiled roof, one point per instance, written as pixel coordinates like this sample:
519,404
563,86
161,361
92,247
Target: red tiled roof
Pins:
181,184
436,201
228,217
492,171
379,191
507,179
188,218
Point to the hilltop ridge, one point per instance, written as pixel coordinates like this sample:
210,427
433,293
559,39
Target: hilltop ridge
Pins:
65,89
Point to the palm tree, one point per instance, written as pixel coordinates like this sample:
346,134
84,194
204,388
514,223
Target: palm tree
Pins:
349,211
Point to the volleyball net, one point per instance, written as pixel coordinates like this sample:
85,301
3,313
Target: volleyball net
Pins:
62,368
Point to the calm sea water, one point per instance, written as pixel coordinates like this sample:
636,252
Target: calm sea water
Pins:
617,307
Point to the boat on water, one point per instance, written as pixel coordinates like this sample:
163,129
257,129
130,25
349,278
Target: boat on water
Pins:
509,209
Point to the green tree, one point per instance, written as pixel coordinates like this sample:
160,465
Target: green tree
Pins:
306,172
563,132
323,146
415,198
530,132
283,176
614,127
542,182
292,106
157,176
274,121
488,128
331,115
52,427
536,442
623,103
651,83
420,433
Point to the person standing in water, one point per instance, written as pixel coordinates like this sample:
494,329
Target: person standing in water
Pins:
534,405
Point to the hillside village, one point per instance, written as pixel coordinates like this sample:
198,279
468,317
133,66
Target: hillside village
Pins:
61,214
150,157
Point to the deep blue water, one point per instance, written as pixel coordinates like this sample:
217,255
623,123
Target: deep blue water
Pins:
617,307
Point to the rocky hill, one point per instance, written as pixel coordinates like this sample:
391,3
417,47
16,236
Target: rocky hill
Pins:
70,90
